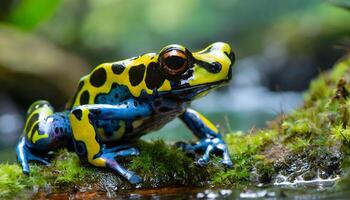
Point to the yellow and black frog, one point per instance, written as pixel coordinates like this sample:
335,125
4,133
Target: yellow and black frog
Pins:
121,101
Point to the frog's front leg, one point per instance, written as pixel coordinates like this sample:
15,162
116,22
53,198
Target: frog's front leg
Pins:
86,140
210,138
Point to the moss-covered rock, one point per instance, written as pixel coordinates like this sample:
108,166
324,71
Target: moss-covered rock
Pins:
312,142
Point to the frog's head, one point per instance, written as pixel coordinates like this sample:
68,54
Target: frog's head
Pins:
192,75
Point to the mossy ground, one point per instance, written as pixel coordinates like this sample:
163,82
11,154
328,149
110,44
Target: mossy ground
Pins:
64,172
312,141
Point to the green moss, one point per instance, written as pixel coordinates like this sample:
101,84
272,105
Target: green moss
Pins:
248,144
309,139
13,182
66,170
245,152
161,164
160,158
298,144
338,132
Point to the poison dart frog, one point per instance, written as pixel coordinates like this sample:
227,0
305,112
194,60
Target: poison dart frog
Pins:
119,102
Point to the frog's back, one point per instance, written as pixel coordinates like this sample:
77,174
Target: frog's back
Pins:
111,83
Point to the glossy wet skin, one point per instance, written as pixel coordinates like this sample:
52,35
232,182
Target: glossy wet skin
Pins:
175,68
118,102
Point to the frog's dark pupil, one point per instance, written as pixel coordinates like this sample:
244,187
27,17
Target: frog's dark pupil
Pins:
174,62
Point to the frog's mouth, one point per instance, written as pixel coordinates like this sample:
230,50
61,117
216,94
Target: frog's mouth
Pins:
191,92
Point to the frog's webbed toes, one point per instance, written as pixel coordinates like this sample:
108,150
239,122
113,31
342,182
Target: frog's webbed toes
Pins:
204,160
227,162
25,168
43,160
214,146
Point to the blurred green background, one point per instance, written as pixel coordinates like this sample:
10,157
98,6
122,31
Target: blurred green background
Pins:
46,46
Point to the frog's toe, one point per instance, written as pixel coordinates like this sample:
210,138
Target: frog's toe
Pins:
44,161
25,169
22,160
227,162
22,151
38,158
202,162
135,179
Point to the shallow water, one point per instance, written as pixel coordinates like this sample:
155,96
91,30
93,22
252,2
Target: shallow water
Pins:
317,190
312,189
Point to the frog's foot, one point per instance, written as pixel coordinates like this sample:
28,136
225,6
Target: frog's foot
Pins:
25,155
109,155
213,146
209,146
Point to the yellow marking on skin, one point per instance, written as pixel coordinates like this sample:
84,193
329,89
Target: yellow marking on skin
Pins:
124,78
85,132
43,113
202,76
165,87
121,79
30,116
28,134
116,135
102,133
37,136
137,123
120,132
210,125
202,94
218,54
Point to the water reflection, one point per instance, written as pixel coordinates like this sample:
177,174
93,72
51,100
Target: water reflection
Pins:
316,191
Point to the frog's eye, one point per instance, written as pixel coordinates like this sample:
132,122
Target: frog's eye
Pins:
174,62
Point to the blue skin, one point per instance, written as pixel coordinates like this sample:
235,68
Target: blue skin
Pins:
209,142
106,114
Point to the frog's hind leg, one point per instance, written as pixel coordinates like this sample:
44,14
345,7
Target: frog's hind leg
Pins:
44,131
111,163
87,144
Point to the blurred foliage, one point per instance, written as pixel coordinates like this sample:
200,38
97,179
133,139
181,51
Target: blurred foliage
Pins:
134,27
26,14
127,28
